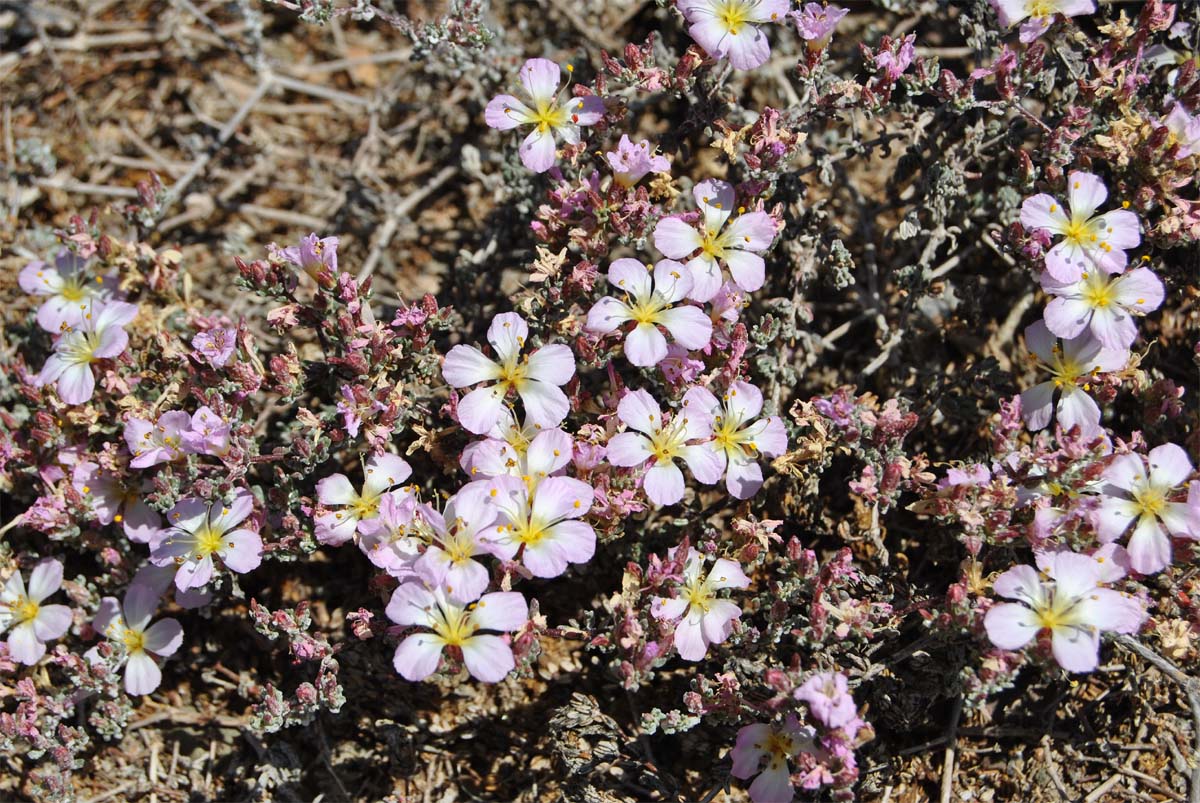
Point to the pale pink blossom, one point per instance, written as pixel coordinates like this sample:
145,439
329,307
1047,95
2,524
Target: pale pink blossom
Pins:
99,336
537,378
630,162
816,23
702,618
542,527
202,533
778,745
1090,242
737,438
1071,364
829,700
455,541
679,367
30,623
528,451
1070,605
659,442
736,246
71,293
1184,131
127,627
1038,14
541,108
314,255
216,345
113,501
395,540
1140,497
1104,305
158,442
648,301
487,656
208,433
347,510
729,28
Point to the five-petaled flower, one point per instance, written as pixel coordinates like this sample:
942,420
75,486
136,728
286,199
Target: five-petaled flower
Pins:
536,378
199,532
527,451
701,617
543,524
738,246
452,624
152,443
314,255
650,301
737,439
1071,606
828,698
99,336
815,22
1139,496
778,745
1089,241
1071,364
129,630
71,292
112,500
630,161
661,442
548,116
32,623
350,510
1183,130
1102,304
729,28
449,560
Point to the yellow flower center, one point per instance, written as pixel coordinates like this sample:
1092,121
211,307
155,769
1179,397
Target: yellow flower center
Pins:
134,640
549,115
71,291
513,373
454,626
698,594
529,532
208,541
1098,294
1150,501
710,244
1040,8
646,312
25,609
365,507
733,14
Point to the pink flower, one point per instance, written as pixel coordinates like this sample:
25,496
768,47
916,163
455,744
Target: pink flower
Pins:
72,293
99,336
662,442
1135,496
1090,242
777,745
829,700
536,378
703,618
128,628
1184,131
816,22
678,367
32,623
199,532
1069,364
631,162
1071,606
1102,304
314,254
540,78
738,247
161,442
525,452
738,440
649,302
216,346
208,433
487,657
394,543
730,28
1040,13
354,510
542,525
113,501
448,562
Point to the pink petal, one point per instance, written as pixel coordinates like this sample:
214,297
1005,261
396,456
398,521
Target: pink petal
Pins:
504,112
52,622
163,637
1169,467
606,315
711,34
242,552
1149,547
1139,289
1010,625
1067,317
45,579
1114,328
704,463
717,622
142,674
560,498
628,449
672,280
1037,406
417,657
748,48
480,409
645,345
748,270
76,383
689,327
1112,518
545,404
668,607
540,78
1076,650
538,151
574,540
554,364
1036,214
639,410
1126,230
466,365
744,477
689,638
503,611
488,658
676,239
1086,193
24,645
664,484
410,604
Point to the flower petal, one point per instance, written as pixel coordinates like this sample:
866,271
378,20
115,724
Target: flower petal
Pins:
488,658
416,658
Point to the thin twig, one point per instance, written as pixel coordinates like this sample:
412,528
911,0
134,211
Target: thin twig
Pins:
951,747
400,211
